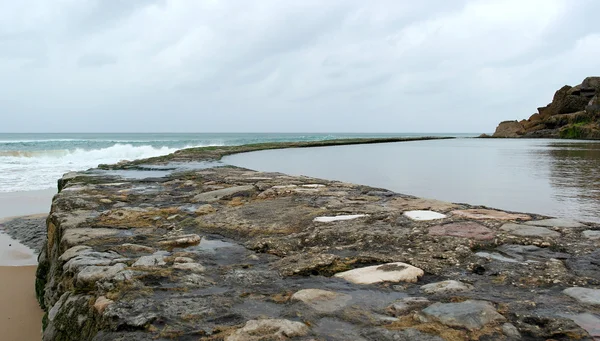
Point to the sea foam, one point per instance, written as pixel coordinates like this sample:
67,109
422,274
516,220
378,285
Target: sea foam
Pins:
35,170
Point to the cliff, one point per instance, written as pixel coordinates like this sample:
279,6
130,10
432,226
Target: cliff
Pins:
184,247
574,113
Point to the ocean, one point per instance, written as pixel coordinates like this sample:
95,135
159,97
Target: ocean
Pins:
35,161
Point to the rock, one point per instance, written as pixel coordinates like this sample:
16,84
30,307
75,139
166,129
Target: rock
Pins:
529,231
418,204
571,114
338,218
322,300
584,295
471,314
214,196
74,251
591,82
406,304
408,334
446,287
77,236
511,331
91,274
181,240
106,201
127,247
205,209
480,214
509,129
155,260
531,253
269,329
591,234
101,304
467,229
390,272
496,256
192,267
424,215
183,260
556,222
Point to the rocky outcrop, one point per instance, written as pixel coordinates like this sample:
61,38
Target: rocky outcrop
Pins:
574,113
214,252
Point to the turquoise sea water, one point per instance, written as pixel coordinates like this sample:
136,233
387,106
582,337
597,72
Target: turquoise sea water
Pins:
36,161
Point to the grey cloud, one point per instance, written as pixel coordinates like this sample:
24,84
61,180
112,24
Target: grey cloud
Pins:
339,65
96,60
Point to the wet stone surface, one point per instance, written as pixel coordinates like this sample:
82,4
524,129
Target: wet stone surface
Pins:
225,253
29,231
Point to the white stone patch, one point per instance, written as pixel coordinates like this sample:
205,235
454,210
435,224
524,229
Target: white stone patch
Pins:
326,219
591,234
446,287
424,215
313,186
390,272
280,187
496,256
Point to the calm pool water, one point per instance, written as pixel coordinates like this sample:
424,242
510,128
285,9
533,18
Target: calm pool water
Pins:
551,177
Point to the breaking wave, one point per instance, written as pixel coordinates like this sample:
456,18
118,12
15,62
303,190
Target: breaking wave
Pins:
34,170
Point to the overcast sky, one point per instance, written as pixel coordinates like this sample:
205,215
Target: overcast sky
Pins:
288,66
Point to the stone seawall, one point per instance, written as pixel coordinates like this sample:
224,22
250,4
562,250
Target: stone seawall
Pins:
181,247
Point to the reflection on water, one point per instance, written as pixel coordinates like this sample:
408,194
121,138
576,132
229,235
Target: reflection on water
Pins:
575,173
555,178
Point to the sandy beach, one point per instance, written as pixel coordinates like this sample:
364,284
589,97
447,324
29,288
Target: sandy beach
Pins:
20,314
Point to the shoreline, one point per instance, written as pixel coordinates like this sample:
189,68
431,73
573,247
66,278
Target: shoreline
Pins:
20,313
268,239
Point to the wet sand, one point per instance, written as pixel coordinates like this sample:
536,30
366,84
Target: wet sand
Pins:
15,204
20,314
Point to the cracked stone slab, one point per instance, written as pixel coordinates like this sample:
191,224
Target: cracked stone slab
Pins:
214,196
483,214
410,204
529,231
471,314
419,215
155,260
91,274
469,229
390,272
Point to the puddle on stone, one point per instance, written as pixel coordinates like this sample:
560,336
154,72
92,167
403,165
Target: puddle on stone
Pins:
374,299
134,174
142,172
214,244
254,309
337,330
181,166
